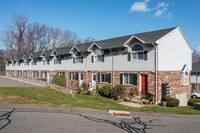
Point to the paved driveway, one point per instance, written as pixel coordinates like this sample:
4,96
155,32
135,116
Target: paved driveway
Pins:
12,83
23,119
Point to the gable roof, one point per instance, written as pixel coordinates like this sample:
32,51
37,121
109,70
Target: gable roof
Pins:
48,52
196,67
63,50
153,36
36,54
146,38
84,47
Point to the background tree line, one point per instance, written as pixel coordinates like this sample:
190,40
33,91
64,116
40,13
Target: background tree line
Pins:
21,37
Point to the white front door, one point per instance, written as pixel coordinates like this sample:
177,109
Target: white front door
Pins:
48,76
94,81
81,79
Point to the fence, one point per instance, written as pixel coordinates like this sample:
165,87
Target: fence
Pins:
40,83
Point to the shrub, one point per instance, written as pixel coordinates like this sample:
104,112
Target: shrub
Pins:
197,106
61,80
84,86
106,91
119,90
171,102
191,101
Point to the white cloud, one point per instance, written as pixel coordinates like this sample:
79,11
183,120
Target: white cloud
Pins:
162,4
198,49
169,15
160,9
159,12
140,7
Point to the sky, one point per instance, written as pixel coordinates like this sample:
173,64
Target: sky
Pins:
104,19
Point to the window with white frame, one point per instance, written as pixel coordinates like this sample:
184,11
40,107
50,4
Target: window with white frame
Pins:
99,58
186,78
74,76
79,60
105,77
137,53
130,79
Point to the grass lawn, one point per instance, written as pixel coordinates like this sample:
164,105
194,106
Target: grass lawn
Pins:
48,97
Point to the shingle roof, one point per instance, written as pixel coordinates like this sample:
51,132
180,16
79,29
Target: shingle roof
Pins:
48,52
196,67
63,50
36,54
147,37
153,36
84,47
113,42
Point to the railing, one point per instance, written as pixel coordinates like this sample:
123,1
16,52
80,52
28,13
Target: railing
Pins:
39,83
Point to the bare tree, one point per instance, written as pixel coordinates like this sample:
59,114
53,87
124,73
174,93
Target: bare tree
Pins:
19,37
69,38
54,34
195,56
89,39
8,40
36,37
19,24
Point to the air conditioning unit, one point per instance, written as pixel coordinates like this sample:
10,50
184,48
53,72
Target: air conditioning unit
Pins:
126,50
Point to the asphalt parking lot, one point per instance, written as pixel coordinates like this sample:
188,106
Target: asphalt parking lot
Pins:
30,119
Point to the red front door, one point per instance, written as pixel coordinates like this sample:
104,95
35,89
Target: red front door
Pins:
144,85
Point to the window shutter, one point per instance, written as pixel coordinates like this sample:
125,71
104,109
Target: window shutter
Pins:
109,78
121,79
99,77
70,74
73,60
92,59
145,55
81,59
102,58
135,79
54,61
77,76
129,56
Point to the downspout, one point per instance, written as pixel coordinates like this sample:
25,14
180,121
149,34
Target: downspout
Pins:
156,72
112,68
86,69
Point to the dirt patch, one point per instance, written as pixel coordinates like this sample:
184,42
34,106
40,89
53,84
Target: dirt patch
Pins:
4,99
17,100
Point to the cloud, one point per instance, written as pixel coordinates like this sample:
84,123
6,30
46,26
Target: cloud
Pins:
162,4
159,12
198,49
140,7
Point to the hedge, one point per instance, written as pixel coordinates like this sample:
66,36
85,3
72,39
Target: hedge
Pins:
61,80
191,101
197,106
171,102
119,90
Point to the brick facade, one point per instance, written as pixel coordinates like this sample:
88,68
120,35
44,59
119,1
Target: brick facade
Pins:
173,78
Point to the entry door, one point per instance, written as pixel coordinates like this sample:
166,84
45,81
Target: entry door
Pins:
94,81
48,76
81,79
144,85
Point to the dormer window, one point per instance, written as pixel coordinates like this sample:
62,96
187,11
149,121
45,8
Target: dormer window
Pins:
137,53
78,58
